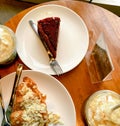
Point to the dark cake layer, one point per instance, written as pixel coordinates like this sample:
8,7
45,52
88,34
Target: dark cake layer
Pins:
48,30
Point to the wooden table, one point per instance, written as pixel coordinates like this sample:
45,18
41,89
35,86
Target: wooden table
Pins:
77,81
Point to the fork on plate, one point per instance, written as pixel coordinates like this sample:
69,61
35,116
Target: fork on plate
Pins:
52,61
15,84
54,64
5,121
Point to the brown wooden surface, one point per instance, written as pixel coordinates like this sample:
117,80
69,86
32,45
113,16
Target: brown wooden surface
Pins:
77,81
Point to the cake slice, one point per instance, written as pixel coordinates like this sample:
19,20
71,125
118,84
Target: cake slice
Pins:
48,30
30,107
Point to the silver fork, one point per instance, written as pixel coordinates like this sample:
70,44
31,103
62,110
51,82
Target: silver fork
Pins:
53,63
4,121
12,98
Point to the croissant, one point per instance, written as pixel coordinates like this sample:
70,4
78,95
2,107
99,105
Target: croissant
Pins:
29,107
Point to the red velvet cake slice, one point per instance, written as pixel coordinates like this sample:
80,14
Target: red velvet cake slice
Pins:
48,30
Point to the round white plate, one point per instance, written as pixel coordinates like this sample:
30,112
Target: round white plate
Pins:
73,39
58,99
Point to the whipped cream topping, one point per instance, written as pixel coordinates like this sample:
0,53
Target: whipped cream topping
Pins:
7,44
99,109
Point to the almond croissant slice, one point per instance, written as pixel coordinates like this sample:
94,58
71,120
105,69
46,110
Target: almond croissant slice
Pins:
29,106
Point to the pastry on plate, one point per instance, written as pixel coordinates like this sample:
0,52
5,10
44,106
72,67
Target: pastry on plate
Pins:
48,30
30,107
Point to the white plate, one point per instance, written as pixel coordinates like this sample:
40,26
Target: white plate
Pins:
72,42
58,100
